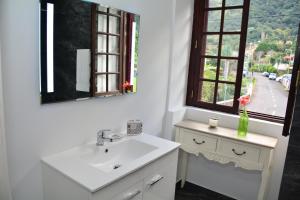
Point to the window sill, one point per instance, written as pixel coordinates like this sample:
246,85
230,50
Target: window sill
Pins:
226,120
252,115
228,115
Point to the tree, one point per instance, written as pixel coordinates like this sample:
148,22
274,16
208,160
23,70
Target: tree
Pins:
266,46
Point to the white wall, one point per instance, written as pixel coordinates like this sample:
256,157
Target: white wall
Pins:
180,52
34,130
4,180
224,179
179,64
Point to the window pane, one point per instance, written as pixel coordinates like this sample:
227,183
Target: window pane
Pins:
214,21
269,58
114,25
233,20
249,83
225,94
212,43
234,2
102,43
113,64
112,82
114,44
101,83
231,45
102,9
102,23
228,70
114,11
206,92
101,63
210,68
214,3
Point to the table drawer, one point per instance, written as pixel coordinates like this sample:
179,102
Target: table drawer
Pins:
239,150
197,140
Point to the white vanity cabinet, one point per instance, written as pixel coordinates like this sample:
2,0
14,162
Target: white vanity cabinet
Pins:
154,181
253,152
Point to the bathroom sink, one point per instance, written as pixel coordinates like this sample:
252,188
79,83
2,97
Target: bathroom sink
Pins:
95,167
115,156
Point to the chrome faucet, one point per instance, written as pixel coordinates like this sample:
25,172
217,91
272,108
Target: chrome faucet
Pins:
101,137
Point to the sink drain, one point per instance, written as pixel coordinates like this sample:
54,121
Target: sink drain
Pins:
117,166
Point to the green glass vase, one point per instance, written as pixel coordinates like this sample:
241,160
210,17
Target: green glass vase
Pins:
243,124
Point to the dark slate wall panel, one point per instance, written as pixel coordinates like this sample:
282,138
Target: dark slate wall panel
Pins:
290,185
72,31
72,21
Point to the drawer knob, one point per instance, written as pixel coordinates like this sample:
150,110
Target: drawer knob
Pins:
238,154
199,143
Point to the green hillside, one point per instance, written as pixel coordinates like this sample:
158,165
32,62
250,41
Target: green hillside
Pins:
271,16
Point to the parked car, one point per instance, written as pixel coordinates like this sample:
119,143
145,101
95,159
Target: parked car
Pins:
245,73
272,76
288,84
286,80
279,79
266,74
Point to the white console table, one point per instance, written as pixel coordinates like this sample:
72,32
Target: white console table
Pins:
254,152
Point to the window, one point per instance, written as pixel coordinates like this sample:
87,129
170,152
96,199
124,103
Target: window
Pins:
294,86
217,55
269,57
107,70
242,49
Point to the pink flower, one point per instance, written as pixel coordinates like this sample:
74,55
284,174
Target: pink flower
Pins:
127,86
244,100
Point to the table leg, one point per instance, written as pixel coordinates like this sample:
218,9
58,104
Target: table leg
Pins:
263,186
184,165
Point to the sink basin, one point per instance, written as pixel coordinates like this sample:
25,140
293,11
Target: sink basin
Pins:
95,167
113,157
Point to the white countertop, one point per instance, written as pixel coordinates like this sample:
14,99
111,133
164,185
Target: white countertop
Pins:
251,138
93,179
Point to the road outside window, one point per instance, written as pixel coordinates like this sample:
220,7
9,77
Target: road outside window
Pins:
269,57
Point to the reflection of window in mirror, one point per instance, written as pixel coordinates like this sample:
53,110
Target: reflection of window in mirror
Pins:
115,36
107,71
132,31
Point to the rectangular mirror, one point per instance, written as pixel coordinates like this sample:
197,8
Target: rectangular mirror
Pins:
87,50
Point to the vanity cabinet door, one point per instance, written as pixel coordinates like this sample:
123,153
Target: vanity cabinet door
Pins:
160,185
133,193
